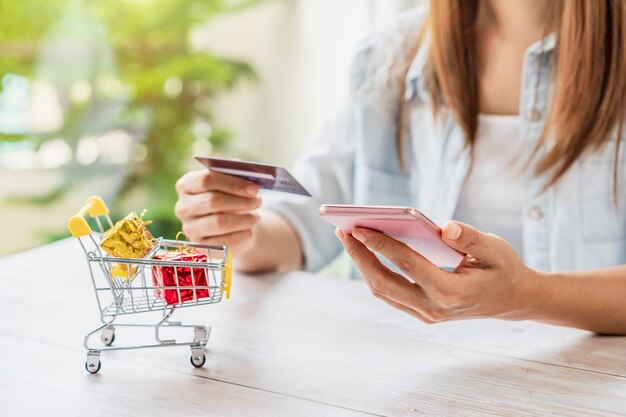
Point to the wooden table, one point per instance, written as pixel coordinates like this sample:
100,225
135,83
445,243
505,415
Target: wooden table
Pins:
293,345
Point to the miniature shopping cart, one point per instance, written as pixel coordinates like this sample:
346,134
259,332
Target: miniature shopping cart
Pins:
129,287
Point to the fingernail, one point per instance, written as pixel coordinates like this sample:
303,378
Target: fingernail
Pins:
258,217
252,189
453,231
259,202
359,236
339,233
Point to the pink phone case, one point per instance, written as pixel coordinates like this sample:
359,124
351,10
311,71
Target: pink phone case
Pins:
405,224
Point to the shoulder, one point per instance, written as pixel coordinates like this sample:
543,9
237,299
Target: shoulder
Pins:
385,53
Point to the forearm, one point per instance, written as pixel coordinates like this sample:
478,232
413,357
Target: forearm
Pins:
594,300
276,246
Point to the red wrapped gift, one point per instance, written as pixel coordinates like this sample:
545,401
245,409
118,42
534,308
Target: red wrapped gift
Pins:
165,276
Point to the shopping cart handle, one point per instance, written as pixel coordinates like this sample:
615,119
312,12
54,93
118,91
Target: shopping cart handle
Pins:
77,224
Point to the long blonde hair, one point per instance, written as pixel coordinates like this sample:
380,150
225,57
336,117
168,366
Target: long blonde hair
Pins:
589,77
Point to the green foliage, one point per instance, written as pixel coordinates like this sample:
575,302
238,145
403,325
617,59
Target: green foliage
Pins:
143,78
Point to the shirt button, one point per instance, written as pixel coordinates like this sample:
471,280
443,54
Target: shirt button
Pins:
533,114
535,213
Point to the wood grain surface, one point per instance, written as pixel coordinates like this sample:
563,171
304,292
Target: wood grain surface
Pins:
290,345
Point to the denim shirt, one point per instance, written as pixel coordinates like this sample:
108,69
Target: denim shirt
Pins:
577,224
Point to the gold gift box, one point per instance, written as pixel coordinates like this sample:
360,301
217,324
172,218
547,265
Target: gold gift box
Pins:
128,238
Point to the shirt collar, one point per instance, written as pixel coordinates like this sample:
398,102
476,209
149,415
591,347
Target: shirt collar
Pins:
547,44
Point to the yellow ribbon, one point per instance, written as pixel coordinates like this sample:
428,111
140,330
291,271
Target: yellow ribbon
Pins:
183,247
145,222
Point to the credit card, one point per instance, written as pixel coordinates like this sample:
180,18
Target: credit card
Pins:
269,177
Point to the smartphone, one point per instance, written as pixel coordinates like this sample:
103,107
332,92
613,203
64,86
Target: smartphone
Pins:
405,224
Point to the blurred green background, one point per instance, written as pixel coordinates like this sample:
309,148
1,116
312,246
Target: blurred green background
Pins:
113,97
129,109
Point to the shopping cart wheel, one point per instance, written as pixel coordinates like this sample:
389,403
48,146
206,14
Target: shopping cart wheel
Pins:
93,361
92,369
108,335
197,360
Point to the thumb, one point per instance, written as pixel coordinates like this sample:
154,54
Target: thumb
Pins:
467,239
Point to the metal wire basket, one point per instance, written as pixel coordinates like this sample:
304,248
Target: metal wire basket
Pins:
132,286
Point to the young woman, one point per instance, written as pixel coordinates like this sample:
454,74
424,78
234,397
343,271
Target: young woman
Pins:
505,115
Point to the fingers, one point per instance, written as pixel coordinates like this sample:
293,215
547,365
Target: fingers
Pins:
196,205
215,208
381,281
197,182
417,314
430,306
406,259
202,228
467,239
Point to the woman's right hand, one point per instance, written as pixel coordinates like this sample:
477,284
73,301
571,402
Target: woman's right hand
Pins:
218,209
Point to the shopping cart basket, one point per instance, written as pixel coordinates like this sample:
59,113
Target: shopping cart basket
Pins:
130,287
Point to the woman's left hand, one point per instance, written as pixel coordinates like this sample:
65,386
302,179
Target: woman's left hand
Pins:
490,282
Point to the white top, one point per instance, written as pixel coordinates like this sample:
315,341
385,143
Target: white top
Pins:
491,197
